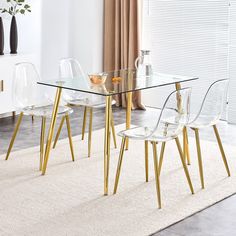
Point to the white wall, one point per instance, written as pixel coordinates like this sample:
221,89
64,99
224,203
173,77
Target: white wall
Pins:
29,30
55,35
86,33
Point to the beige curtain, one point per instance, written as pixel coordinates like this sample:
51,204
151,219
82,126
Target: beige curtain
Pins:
121,40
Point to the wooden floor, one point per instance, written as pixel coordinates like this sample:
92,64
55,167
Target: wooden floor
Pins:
215,221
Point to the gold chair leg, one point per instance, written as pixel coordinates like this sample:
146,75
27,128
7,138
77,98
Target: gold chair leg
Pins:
43,125
113,130
221,149
51,129
157,174
70,137
184,165
84,122
58,132
163,145
119,164
146,160
14,135
186,146
90,130
199,154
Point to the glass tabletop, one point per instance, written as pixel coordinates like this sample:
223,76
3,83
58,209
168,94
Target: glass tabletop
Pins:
117,82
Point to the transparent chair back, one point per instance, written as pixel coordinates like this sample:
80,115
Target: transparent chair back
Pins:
174,115
26,92
212,105
71,69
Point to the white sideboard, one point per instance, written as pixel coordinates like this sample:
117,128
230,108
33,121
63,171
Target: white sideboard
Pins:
7,63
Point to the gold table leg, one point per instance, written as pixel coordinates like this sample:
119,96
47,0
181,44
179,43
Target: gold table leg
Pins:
185,133
90,130
128,115
113,130
107,143
51,129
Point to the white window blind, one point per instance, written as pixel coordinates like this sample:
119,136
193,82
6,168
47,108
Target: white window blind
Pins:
186,37
232,63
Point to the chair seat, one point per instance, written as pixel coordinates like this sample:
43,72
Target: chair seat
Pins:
202,121
88,102
145,133
46,111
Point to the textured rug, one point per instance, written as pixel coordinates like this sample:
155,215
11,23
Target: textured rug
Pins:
69,200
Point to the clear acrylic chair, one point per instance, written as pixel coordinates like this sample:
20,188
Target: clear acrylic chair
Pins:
71,68
30,100
170,123
208,116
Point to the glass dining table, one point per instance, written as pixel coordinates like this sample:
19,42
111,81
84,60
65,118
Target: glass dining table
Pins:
117,82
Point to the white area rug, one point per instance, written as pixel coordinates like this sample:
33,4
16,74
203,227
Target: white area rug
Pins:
69,199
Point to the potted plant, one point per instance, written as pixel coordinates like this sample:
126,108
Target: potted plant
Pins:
15,7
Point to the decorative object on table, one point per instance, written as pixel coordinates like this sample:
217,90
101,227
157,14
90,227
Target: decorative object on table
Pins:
1,37
98,79
15,7
143,64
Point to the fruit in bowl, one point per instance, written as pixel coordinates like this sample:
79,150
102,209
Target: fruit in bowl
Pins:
98,79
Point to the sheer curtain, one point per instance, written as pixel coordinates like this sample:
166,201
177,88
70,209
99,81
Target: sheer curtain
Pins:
121,40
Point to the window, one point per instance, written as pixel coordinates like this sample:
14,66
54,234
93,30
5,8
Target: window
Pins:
187,37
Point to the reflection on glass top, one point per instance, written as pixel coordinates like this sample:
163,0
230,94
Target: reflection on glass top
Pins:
116,82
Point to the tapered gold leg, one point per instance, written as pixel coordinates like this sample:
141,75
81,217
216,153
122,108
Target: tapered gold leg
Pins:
157,174
199,157
14,135
59,131
184,164
43,125
84,122
90,130
146,160
70,137
107,143
221,149
113,130
119,165
186,145
51,129
163,145
128,115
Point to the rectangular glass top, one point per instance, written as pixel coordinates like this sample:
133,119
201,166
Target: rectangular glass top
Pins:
117,82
